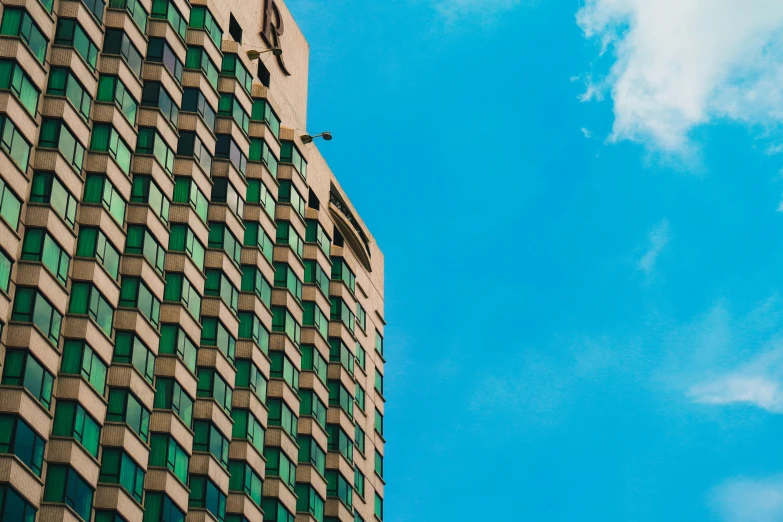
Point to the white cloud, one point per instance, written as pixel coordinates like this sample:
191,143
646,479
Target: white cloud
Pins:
586,132
749,500
780,206
452,10
680,64
658,238
746,389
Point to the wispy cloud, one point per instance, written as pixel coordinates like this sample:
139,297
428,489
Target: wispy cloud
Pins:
749,500
677,65
658,239
586,132
746,389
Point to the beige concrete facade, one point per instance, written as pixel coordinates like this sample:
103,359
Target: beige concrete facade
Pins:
191,307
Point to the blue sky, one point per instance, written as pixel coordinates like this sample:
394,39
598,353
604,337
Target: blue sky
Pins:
580,209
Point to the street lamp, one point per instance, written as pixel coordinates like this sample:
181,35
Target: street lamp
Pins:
327,136
253,55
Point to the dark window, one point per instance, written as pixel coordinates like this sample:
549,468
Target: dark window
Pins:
234,29
263,73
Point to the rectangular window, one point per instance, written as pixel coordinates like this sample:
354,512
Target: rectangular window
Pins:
204,494
180,290
255,236
260,151
71,34
201,18
13,78
279,465
72,420
221,238
166,453
360,396
249,376
208,439
97,8
151,142
378,507
358,481
193,100
312,406
15,145
316,275
378,381
232,66
361,316
6,264
125,408
146,192
262,111
141,242
169,395
339,441
258,193
17,22
378,464
62,82
22,369
159,51
198,59
275,511
338,486
30,306
135,294
86,299
339,353
251,328
94,244
190,145
246,426
341,312
55,134
284,322
116,42
155,95
283,368
65,486
340,396
378,342
214,333
98,189
174,341
282,416
314,362
224,192
166,10
286,235
229,107
316,234
47,189
311,453
289,154
212,386
186,191
341,272
309,501
106,139
18,438
158,506
361,355
80,359
378,422
313,316
41,247
227,148
359,438
117,467
245,480
112,90
135,9
254,281
129,349
182,239
290,195
286,278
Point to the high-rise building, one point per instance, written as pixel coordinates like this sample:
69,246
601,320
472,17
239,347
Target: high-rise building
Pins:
192,309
